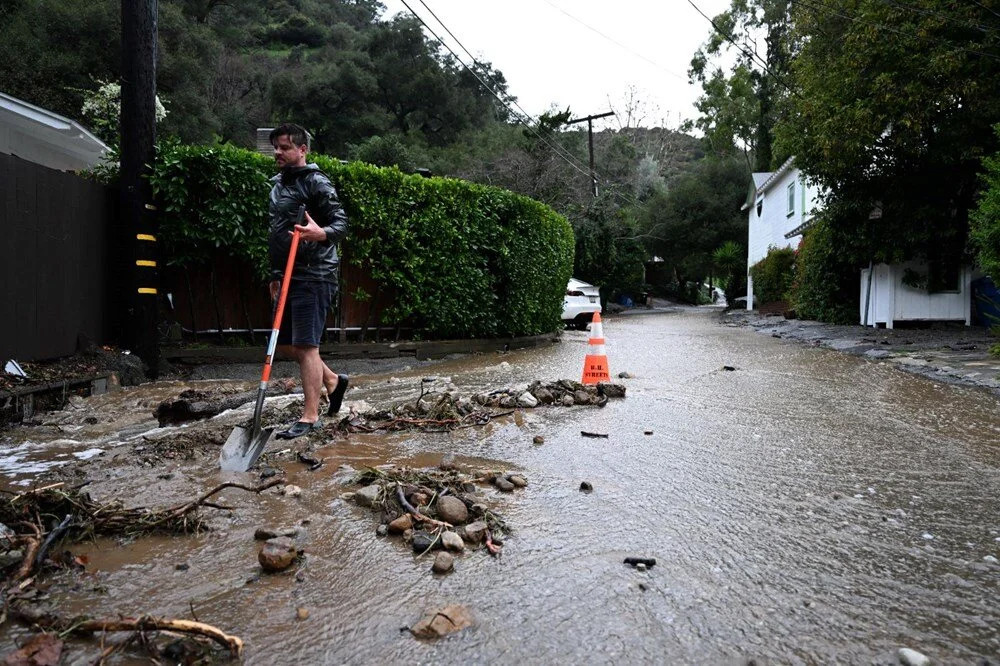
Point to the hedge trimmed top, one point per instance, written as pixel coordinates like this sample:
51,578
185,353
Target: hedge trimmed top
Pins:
460,259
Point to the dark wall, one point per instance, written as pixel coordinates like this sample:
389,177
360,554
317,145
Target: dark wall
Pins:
54,278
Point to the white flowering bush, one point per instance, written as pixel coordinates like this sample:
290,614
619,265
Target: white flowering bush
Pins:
102,110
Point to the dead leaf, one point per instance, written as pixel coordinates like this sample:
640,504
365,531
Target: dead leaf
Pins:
40,650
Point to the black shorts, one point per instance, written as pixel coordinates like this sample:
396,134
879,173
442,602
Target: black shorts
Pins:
304,319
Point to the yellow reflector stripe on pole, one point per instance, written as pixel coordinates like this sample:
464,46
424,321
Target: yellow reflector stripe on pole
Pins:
146,237
147,290
145,262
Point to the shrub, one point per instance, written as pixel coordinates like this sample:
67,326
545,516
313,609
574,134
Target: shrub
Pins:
984,220
773,275
459,259
826,281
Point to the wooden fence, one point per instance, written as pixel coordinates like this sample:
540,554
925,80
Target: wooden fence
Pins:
54,260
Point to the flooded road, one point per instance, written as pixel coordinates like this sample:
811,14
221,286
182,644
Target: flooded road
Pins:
808,507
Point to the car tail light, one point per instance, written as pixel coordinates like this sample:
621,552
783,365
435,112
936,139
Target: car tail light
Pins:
575,293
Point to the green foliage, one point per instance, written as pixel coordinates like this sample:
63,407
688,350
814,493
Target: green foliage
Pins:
459,259
826,282
730,262
985,219
696,215
384,151
773,275
894,110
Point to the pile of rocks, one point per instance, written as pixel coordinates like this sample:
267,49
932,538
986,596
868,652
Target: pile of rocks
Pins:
563,393
451,516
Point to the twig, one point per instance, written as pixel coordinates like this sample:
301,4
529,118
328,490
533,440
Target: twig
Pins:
37,490
51,538
413,511
180,510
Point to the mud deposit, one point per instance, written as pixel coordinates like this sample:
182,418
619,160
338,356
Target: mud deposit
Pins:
804,507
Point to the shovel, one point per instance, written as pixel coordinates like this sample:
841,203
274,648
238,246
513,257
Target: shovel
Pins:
245,444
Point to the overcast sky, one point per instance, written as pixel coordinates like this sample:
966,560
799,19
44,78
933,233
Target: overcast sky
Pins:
580,53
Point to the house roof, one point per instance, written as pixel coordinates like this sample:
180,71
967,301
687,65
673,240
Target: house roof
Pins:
773,177
57,132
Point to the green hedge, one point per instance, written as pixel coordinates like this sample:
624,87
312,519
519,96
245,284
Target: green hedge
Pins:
826,280
773,275
459,259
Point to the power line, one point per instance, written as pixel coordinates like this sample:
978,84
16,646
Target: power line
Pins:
989,9
944,15
498,85
751,55
616,42
492,92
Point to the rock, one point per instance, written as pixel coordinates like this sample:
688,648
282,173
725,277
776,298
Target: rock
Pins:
277,554
301,614
447,463
408,536
401,524
419,499
291,491
382,530
625,375
268,472
443,562
991,559
422,541
518,481
452,510
479,509
508,401
475,532
266,533
368,495
539,439
647,432
504,484
183,566
585,487
543,395
611,390
909,657
640,567
581,398
527,400
442,622
452,541
347,497
505,365
469,487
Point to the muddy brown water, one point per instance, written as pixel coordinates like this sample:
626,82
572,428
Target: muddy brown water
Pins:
809,507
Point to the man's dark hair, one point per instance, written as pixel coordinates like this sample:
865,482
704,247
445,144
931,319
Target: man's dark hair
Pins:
295,133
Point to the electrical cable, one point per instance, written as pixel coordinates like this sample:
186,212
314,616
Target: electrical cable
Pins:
494,93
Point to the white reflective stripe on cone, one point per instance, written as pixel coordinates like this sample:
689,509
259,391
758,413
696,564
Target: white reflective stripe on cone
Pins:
597,330
596,350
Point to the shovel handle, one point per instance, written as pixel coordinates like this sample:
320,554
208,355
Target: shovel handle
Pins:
285,281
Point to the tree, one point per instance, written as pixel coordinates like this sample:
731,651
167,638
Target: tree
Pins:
739,109
896,111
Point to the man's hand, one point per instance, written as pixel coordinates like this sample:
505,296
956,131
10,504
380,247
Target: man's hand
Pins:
275,286
310,231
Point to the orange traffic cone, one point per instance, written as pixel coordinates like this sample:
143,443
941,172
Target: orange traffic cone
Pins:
595,366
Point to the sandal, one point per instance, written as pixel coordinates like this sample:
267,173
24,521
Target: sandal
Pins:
337,397
298,429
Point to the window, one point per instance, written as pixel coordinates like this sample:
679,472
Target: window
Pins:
791,198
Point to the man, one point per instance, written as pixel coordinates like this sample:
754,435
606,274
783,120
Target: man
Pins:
314,276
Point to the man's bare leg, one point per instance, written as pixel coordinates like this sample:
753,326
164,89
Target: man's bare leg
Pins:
312,368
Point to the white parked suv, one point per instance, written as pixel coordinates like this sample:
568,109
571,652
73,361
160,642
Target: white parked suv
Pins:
582,301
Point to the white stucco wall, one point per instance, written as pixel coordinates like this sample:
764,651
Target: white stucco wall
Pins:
775,220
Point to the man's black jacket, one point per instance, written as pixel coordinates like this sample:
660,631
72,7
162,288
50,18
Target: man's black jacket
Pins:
310,186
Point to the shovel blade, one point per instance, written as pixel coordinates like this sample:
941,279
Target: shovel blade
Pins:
242,449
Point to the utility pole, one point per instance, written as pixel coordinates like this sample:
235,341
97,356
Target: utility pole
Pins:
138,214
590,140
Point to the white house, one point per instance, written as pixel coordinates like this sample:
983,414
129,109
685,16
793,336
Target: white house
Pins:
780,206
40,136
